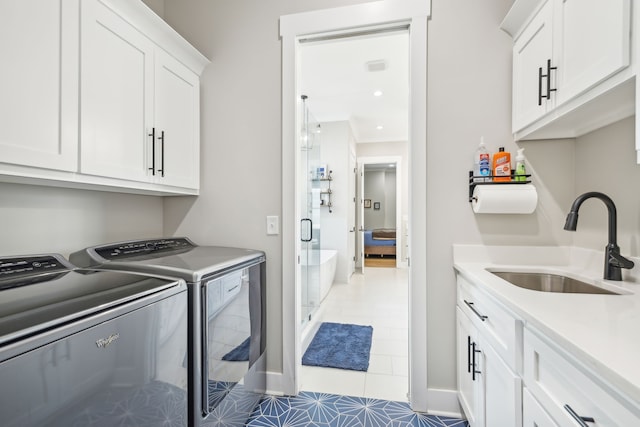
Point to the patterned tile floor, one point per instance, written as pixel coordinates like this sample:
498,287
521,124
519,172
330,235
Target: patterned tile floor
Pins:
331,410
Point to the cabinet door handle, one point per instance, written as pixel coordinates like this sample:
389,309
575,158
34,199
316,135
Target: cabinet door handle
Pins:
153,151
161,138
548,77
474,371
549,68
540,86
468,354
582,421
475,311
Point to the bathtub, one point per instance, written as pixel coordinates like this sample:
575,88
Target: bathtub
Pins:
321,274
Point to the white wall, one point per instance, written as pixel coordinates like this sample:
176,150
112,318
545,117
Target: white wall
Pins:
334,228
39,219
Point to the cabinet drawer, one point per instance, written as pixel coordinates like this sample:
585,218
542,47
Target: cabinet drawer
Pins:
532,413
561,387
498,326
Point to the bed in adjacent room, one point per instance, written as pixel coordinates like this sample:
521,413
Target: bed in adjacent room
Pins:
380,241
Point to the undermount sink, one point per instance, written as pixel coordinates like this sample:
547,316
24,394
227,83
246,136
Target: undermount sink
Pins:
545,282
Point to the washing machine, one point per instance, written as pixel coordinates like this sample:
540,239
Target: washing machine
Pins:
227,318
90,348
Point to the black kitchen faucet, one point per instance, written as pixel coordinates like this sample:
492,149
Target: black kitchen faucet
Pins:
613,261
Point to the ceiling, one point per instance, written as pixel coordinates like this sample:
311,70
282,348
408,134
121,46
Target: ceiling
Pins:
340,87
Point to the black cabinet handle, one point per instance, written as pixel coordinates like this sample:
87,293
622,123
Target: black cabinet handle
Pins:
161,138
582,421
548,77
540,86
468,354
475,311
153,151
474,371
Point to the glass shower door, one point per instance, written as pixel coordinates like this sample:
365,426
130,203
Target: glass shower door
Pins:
309,214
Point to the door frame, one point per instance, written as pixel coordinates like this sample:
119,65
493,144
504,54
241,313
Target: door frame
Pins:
375,160
344,20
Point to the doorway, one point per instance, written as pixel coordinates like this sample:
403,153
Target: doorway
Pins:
328,23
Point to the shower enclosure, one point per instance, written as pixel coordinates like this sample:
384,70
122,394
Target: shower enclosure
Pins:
310,164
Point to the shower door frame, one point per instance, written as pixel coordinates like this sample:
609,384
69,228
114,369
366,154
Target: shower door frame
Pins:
343,21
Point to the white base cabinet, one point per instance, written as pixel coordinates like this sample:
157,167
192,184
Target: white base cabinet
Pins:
510,374
489,390
98,94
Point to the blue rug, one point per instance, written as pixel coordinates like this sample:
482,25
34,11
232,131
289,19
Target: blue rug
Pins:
240,353
339,345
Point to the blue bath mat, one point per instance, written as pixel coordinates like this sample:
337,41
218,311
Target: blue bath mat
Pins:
340,345
240,353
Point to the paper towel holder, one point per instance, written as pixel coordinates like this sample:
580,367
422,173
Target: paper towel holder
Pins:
473,183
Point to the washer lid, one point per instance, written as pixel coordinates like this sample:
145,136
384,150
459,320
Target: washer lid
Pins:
49,292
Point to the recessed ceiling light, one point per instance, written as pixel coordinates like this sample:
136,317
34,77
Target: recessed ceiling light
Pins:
377,93
379,127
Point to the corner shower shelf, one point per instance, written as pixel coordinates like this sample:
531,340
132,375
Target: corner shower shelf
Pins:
325,193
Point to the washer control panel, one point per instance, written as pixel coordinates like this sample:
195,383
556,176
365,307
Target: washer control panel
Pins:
143,247
14,270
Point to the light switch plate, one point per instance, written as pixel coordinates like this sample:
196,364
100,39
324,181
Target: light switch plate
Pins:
272,225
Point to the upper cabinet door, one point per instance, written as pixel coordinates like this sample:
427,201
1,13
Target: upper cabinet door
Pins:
38,82
116,96
531,51
177,123
593,43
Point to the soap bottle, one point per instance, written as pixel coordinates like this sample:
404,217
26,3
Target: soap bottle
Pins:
501,165
521,170
481,163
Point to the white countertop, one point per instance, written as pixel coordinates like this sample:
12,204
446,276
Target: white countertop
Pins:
601,331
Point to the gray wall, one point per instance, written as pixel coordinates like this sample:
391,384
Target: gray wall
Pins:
469,75
39,219
380,186
241,156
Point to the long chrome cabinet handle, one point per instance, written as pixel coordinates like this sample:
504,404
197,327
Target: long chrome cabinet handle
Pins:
475,311
582,421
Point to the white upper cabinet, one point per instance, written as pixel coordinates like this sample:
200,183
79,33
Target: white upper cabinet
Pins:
571,66
593,43
177,111
39,83
140,105
531,53
117,96
98,94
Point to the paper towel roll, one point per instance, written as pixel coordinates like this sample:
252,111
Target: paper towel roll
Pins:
505,199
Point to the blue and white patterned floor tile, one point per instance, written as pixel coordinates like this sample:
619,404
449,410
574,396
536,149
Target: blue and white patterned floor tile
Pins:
330,410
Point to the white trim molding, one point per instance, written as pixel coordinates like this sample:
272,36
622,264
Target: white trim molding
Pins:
413,14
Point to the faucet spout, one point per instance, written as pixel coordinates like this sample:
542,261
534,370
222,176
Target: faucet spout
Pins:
613,261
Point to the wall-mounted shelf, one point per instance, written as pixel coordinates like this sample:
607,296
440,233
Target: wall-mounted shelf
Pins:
490,181
325,192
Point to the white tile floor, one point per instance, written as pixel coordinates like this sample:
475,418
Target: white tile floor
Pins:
379,299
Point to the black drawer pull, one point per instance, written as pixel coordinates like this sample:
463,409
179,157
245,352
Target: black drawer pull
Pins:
475,311
582,421
474,370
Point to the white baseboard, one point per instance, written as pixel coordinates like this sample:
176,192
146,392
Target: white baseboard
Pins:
444,402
